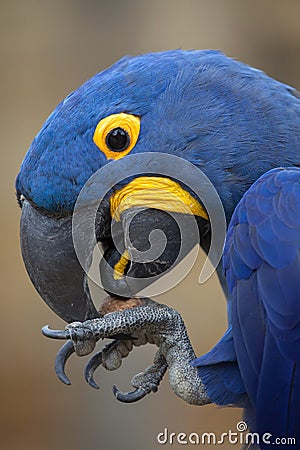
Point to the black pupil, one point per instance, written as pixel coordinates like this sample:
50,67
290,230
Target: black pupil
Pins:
117,140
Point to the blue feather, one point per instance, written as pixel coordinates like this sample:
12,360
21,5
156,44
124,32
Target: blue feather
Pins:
220,373
240,242
278,393
230,120
265,305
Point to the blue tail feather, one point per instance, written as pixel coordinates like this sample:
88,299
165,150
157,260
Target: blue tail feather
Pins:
220,373
278,395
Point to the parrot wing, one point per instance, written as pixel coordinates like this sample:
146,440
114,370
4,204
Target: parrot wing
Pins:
262,267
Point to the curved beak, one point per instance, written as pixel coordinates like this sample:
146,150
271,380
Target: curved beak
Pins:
153,243
52,264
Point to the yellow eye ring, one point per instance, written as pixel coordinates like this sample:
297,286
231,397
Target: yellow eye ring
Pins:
117,134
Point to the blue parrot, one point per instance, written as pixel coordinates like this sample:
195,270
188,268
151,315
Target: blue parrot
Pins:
241,129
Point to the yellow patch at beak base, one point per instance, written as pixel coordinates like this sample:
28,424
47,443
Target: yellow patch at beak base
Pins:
155,192
120,267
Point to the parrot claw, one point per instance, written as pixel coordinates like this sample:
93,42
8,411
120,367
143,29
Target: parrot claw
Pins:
91,366
82,341
62,356
151,322
55,334
129,397
110,358
144,382
82,337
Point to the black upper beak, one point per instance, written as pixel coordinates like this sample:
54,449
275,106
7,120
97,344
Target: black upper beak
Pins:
52,264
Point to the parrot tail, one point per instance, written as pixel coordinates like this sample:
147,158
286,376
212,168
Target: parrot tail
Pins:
278,396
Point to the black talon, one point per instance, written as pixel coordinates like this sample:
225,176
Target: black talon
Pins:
55,334
128,397
60,361
91,366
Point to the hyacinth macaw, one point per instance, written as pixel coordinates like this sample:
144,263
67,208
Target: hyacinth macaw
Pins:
237,125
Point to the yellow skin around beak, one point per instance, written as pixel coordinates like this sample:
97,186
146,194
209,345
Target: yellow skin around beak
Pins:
151,192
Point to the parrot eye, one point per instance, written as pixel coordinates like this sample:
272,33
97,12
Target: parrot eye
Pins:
117,140
116,135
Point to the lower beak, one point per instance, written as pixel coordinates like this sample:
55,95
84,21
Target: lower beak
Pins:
153,241
52,264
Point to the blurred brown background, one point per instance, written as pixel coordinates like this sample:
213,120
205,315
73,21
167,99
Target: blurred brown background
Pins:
47,50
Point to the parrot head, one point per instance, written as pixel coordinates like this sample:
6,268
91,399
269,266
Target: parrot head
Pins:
218,114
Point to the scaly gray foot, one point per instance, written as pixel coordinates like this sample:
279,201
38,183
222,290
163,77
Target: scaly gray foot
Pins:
165,327
144,382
